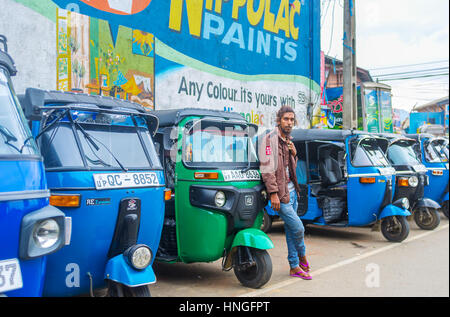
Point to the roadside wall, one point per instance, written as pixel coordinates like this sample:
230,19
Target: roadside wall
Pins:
248,56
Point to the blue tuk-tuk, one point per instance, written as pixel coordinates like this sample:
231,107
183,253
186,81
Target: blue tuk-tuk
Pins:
30,228
103,171
346,180
433,152
411,180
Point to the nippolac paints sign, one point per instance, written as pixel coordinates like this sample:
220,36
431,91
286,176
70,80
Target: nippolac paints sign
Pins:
279,28
247,56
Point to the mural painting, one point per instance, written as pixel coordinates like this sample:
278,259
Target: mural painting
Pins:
123,68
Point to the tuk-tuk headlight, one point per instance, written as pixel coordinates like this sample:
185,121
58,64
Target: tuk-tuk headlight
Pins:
405,203
220,199
413,181
139,256
46,233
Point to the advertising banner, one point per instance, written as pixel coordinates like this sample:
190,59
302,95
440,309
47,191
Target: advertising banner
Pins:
386,111
371,103
248,56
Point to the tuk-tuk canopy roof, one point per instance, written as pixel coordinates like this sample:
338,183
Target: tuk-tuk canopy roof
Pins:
34,100
173,117
6,60
393,137
324,134
420,136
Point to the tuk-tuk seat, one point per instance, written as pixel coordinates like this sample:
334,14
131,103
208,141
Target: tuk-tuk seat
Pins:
329,169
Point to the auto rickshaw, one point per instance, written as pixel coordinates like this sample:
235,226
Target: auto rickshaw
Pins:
30,229
411,180
103,171
431,150
346,180
217,195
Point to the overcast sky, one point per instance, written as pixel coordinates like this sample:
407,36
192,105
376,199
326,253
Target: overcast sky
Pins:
393,33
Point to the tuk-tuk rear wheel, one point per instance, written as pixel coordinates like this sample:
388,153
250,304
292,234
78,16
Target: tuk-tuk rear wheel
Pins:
267,222
120,290
395,228
445,208
427,218
257,275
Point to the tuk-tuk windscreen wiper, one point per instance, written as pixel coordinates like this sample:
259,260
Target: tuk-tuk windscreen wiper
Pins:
121,147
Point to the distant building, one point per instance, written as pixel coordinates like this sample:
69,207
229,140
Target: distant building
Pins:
334,73
431,117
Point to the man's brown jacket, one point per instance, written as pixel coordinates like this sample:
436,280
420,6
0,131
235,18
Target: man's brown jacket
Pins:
274,156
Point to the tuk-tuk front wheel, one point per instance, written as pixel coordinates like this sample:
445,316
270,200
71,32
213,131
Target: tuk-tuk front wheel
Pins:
427,218
252,269
395,228
120,290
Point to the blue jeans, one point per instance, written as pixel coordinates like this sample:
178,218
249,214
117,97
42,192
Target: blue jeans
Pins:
294,229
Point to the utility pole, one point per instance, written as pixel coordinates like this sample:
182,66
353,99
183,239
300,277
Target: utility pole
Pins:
349,114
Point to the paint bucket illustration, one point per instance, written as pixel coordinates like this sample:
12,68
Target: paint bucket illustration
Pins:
122,7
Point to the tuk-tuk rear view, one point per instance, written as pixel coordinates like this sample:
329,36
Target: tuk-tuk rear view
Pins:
216,206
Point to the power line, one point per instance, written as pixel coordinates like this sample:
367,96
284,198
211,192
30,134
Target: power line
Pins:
414,77
412,72
400,66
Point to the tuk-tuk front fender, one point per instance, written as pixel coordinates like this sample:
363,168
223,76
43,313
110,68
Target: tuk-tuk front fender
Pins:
427,203
253,238
118,270
391,210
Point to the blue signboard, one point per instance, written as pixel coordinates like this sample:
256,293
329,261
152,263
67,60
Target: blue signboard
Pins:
250,56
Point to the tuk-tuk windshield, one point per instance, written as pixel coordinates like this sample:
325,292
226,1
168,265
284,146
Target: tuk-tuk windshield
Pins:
367,152
434,153
101,145
441,150
402,154
219,143
13,130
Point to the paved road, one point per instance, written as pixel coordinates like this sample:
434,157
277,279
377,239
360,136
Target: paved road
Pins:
346,262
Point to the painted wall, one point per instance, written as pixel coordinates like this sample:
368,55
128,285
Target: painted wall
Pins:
63,50
248,56
30,30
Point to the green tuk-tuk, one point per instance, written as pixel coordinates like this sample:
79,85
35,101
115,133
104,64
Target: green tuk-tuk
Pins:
215,197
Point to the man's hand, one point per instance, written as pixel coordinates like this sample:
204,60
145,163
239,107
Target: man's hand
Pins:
291,147
275,201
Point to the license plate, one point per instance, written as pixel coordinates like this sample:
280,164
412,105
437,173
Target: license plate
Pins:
419,168
125,180
10,275
386,171
236,175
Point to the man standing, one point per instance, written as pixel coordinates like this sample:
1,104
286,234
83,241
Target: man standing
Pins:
278,158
